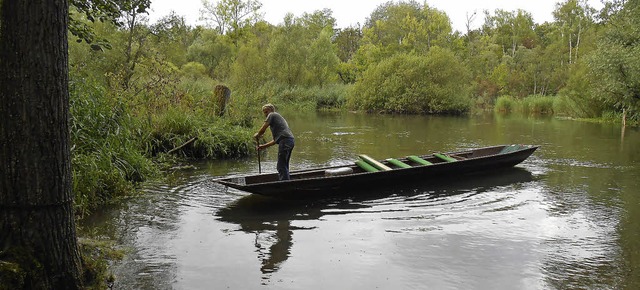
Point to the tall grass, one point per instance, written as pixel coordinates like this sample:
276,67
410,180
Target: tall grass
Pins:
216,138
505,104
537,105
531,105
105,157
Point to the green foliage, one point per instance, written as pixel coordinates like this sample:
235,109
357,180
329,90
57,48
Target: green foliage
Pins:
194,70
505,104
511,29
214,51
171,38
215,138
577,98
114,136
531,105
322,60
616,62
287,54
403,27
331,96
302,59
249,71
347,72
537,105
100,10
404,83
348,41
229,16
572,17
106,160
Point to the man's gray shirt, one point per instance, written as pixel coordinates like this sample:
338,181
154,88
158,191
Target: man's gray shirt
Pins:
279,127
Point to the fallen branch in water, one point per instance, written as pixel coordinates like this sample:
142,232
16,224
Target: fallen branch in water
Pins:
185,144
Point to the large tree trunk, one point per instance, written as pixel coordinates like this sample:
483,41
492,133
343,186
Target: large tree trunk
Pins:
37,228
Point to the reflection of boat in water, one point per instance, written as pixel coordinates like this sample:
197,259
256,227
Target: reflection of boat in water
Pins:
271,219
369,174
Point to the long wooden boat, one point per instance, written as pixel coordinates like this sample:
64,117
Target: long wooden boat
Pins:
366,173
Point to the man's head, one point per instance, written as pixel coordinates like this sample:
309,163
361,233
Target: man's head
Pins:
268,108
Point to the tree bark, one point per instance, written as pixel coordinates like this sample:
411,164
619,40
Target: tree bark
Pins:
37,227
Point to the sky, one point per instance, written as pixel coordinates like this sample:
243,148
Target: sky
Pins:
351,12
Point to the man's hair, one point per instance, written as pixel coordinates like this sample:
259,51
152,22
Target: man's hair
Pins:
271,107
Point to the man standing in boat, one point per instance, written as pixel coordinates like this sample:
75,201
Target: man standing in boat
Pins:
282,136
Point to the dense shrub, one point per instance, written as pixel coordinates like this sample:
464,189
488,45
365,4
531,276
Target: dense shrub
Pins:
405,83
505,104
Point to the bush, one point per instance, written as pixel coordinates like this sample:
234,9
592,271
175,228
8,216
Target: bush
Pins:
505,104
406,83
537,105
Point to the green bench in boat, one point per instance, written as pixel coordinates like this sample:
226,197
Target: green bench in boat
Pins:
374,163
445,157
418,160
398,163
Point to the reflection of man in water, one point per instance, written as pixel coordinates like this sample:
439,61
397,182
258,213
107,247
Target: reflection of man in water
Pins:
278,251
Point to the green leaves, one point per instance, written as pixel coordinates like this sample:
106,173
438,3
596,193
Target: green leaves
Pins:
617,61
407,83
228,16
102,11
406,27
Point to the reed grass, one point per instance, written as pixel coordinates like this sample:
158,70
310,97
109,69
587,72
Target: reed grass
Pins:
531,105
505,104
106,160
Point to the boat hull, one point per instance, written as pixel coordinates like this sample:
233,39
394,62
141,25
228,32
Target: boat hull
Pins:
313,183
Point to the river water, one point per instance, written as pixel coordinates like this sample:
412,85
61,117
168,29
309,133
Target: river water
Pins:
566,218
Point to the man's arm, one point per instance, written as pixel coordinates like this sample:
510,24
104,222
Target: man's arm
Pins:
261,131
265,145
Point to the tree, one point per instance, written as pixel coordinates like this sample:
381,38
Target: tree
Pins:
172,38
416,84
249,71
214,51
230,16
137,35
322,59
317,21
36,204
405,27
616,62
432,27
288,52
573,17
511,29
348,41
384,28
103,11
